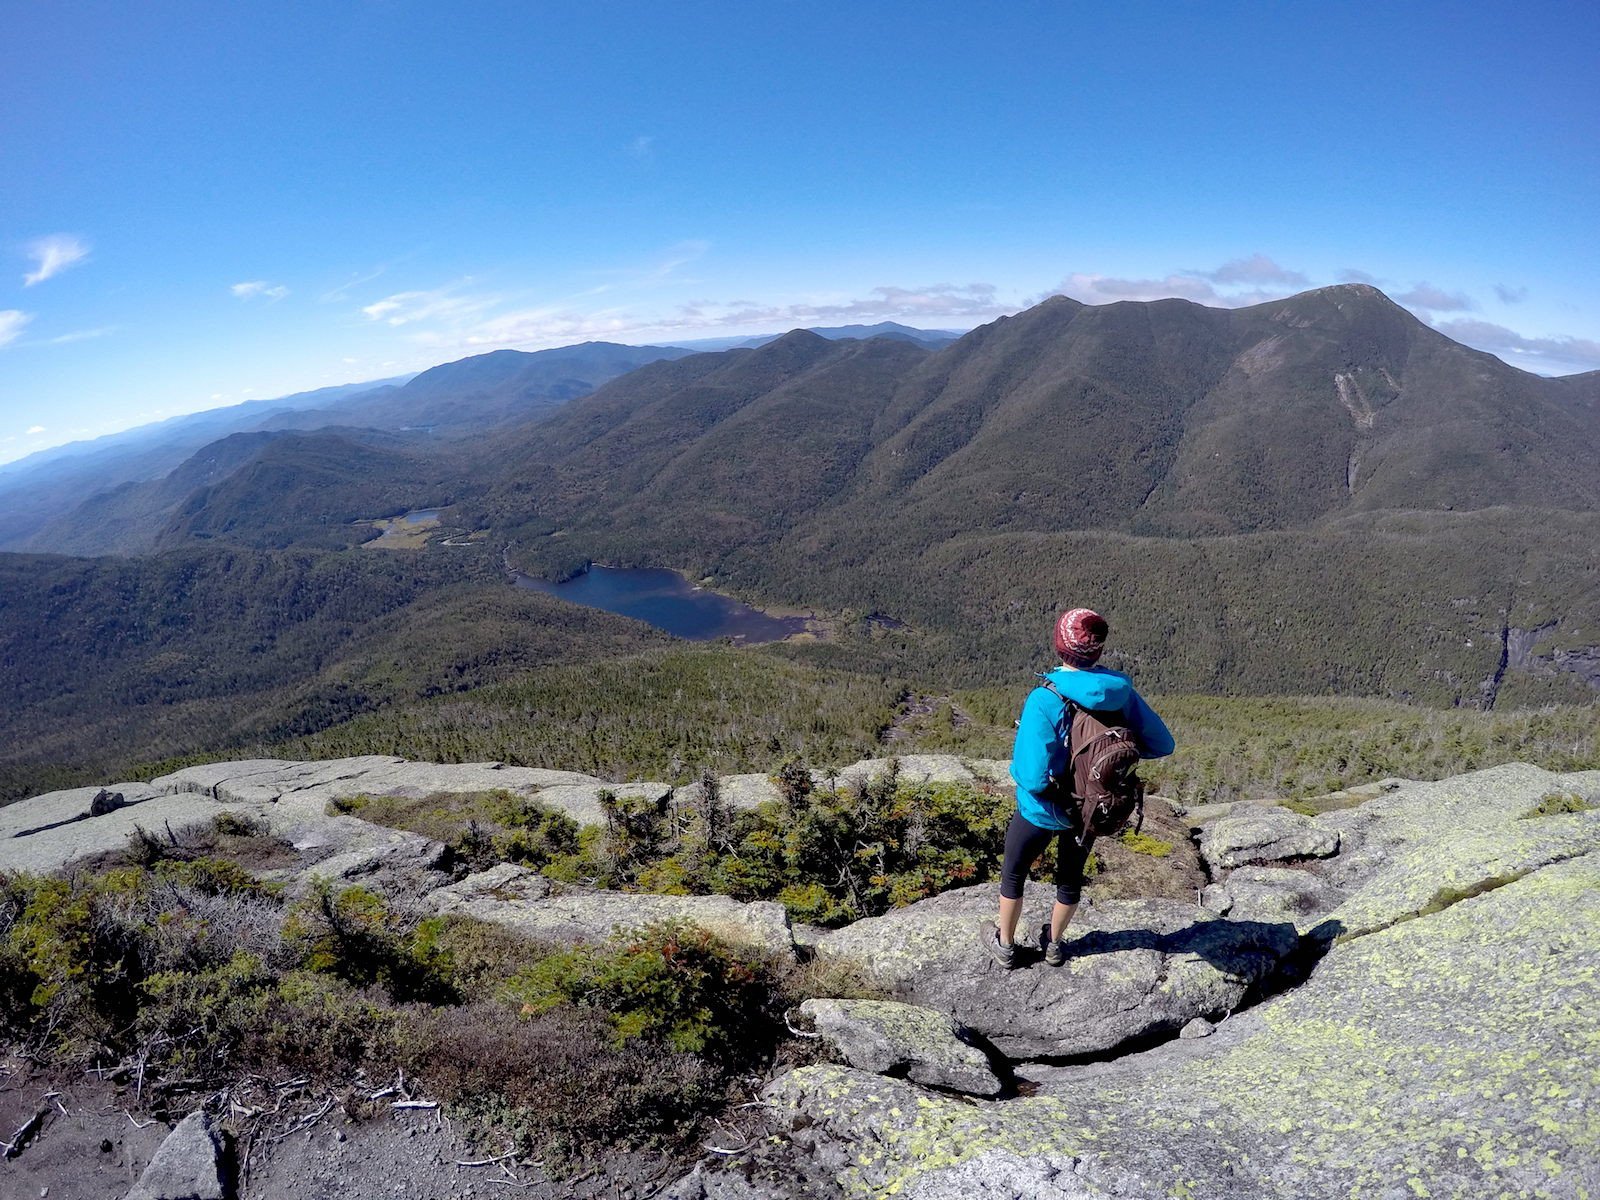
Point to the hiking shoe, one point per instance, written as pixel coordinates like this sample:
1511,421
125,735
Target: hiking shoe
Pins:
1005,955
1055,952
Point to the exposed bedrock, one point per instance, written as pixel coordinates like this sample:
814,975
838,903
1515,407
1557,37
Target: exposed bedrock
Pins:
1136,969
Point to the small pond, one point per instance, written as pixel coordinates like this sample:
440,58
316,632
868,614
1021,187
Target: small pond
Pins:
670,602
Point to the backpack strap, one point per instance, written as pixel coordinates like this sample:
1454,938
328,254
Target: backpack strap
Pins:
1069,706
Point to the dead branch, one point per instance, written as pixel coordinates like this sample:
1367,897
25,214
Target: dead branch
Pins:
19,1139
486,1162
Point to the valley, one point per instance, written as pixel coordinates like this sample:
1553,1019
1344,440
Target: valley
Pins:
1186,470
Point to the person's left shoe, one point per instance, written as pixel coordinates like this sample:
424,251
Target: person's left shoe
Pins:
1055,951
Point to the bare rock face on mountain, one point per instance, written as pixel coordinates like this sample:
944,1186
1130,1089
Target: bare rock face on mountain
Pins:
1135,968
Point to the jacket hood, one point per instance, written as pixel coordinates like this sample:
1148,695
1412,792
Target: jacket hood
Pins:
1099,689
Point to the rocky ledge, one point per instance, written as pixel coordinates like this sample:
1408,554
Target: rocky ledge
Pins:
1391,999
1434,1036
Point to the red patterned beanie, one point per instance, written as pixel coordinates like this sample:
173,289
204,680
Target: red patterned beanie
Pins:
1080,637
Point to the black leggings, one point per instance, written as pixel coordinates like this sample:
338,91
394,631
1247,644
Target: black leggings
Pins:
1024,841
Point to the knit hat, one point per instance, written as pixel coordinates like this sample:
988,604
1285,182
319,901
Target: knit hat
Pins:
1080,637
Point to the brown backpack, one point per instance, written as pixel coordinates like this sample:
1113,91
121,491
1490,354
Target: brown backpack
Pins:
1100,786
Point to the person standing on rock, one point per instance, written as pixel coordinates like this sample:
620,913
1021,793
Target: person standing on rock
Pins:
1039,755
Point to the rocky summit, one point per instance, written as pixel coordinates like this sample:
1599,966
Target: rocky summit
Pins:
1443,1045
1394,998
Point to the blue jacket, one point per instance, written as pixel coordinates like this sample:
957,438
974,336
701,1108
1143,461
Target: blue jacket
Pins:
1040,753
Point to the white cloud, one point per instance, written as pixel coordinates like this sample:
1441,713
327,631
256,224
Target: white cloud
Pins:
33,429
440,304
1426,296
11,322
82,335
554,325
259,287
52,255
1223,287
1257,269
1558,355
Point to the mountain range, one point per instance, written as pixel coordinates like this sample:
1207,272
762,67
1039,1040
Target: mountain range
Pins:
1320,494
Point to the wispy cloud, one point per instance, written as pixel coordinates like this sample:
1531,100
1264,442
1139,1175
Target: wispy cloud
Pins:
1548,355
12,321
642,148
52,255
450,304
33,429
665,268
259,289
342,292
1351,275
964,304
82,335
1426,296
1510,295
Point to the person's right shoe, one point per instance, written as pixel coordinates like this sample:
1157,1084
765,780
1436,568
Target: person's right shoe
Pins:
1005,955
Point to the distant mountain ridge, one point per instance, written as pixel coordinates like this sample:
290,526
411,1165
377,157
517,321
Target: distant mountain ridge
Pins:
455,399
932,339
1318,495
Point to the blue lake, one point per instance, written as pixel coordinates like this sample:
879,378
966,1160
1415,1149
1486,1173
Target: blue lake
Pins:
418,516
670,602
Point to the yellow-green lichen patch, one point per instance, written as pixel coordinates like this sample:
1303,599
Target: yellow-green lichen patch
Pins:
1461,1050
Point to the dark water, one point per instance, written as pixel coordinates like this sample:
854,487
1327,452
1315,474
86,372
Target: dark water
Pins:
668,601
418,516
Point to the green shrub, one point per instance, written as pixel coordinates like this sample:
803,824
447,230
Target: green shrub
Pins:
234,824
670,982
558,1084
473,957
353,935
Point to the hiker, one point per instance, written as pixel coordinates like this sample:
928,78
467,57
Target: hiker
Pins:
1039,757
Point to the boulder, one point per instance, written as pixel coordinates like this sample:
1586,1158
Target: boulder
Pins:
1252,834
106,801
914,768
1273,894
747,791
903,1039
527,902
1135,969
1443,1055
186,1166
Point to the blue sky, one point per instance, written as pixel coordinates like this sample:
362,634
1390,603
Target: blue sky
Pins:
208,203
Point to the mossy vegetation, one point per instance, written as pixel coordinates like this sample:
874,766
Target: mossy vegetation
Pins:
199,974
1554,804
